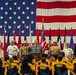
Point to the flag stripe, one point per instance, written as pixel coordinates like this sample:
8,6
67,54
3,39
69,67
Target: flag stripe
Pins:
34,37
56,4
55,0
56,11
55,26
56,18
55,32
53,38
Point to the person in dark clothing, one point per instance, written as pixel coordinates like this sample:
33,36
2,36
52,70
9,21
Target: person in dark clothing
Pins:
12,68
1,68
27,67
60,67
74,63
43,67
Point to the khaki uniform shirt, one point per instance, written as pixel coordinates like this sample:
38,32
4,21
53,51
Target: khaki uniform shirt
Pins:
24,50
54,50
1,53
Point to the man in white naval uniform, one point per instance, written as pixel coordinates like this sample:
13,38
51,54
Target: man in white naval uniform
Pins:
68,51
12,49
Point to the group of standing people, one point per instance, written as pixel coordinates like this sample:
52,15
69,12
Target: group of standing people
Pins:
13,50
54,50
24,57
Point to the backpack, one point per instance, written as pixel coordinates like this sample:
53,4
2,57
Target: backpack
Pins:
74,68
43,71
1,71
60,70
12,71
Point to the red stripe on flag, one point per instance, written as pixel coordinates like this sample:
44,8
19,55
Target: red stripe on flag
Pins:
56,4
49,19
55,32
44,45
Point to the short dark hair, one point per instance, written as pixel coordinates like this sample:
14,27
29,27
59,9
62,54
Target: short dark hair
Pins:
45,55
43,59
6,58
62,53
15,57
60,57
30,58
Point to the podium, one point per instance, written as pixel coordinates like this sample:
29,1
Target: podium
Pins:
36,55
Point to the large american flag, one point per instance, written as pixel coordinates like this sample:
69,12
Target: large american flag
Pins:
22,13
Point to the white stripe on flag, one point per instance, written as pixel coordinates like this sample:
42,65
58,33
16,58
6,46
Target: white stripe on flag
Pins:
34,37
55,26
56,11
